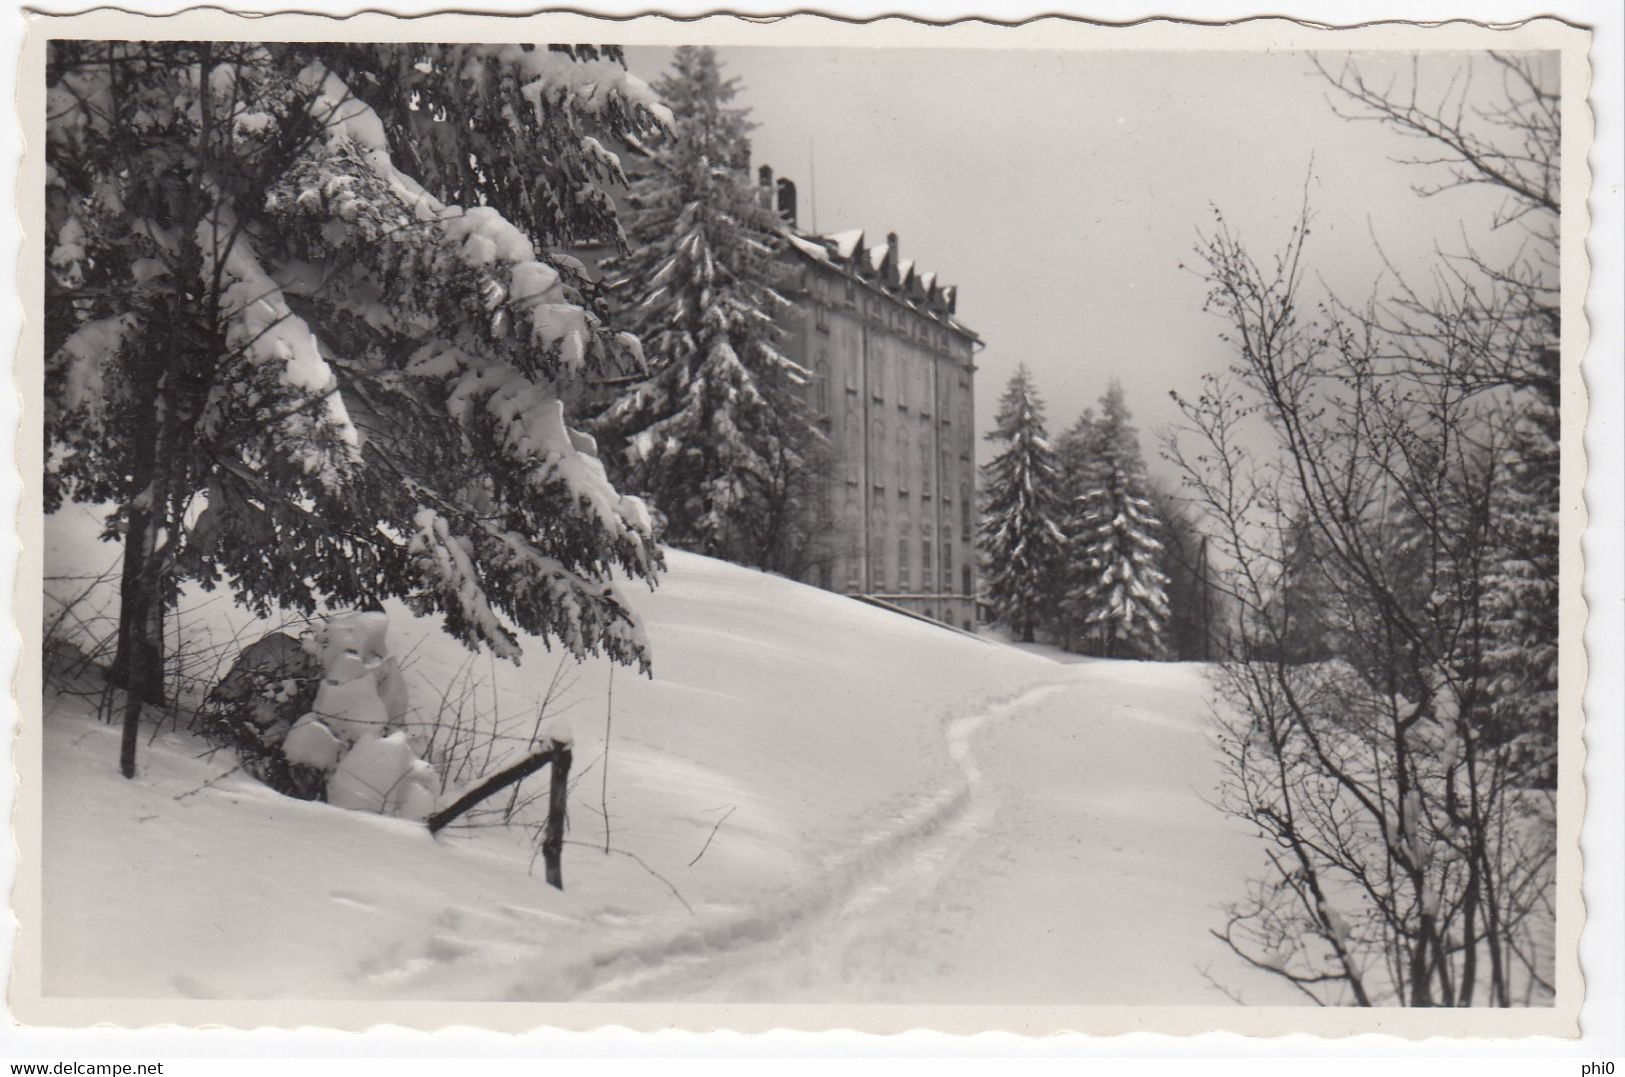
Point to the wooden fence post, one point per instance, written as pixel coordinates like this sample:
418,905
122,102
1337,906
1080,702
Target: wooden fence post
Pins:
555,753
493,785
553,841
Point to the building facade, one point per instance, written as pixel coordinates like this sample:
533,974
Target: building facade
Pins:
893,388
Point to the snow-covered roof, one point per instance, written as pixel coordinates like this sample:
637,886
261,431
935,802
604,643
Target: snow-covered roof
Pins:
808,247
846,242
913,288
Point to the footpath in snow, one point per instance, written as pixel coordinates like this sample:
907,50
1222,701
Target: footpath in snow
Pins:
812,800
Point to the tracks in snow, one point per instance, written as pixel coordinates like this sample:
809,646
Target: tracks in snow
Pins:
906,856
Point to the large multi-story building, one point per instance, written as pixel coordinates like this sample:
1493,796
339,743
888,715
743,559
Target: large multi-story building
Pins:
892,386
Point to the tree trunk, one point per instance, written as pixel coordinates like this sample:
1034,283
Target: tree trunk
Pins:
141,674
1207,611
148,671
1420,974
138,664
139,606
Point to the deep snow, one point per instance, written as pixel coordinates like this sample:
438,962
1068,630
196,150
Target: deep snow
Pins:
906,815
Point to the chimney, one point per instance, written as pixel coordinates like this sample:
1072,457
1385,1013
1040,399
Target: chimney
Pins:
787,202
764,186
891,241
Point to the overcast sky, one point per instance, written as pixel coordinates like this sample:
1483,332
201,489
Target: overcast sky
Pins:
1061,191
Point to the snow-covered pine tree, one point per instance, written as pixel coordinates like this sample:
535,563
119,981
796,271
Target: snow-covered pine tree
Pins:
284,361
1020,534
1521,589
719,420
1117,594
1077,449
451,118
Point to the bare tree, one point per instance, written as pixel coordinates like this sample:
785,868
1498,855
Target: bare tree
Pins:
793,530
1402,783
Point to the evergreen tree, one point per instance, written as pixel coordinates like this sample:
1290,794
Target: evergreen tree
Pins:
1117,592
1084,451
1020,536
1305,611
718,430
1077,451
1521,588
1115,433
1196,607
285,361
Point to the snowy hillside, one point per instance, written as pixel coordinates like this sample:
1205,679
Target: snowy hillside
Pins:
801,776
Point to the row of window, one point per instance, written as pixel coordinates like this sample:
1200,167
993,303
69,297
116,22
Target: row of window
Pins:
908,323
966,512
905,575
910,389
898,458
904,570
881,572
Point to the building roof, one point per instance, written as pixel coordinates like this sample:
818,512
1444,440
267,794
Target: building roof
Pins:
806,246
880,268
845,242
